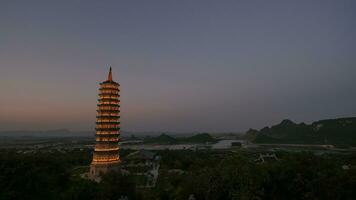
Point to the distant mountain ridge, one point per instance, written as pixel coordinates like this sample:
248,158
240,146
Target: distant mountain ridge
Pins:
45,133
54,133
330,131
200,138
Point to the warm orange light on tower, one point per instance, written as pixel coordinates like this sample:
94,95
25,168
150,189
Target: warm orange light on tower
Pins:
106,153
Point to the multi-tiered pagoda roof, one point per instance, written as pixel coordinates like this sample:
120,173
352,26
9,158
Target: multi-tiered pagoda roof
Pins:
106,152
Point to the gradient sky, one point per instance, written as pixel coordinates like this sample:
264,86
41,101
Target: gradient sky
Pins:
182,65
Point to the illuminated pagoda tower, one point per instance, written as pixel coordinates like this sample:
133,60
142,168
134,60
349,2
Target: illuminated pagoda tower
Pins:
106,153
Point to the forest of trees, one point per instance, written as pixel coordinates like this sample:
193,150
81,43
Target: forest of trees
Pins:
204,174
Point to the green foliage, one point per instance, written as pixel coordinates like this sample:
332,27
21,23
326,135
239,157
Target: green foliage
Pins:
237,176
161,139
209,175
200,138
115,185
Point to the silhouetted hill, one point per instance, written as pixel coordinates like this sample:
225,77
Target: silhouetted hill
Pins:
161,139
195,139
61,133
250,134
331,131
199,138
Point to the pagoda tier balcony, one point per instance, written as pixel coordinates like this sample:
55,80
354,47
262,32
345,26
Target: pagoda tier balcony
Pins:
107,135
109,82
108,114
116,135
101,156
108,101
107,139
103,120
109,95
113,141
103,100
105,117
106,96
106,149
107,129
109,153
104,160
109,92
106,92
114,117
106,146
105,154
105,163
115,94
109,87
116,90
107,132
107,107
107,142
98,157
108,124
107,111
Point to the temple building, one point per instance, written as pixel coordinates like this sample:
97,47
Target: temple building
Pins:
106,153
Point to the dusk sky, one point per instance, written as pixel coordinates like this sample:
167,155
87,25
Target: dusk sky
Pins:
183,66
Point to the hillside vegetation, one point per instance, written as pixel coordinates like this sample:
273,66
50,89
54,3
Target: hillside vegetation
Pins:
200,138
340,131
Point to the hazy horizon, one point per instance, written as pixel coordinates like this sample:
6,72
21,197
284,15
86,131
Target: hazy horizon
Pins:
187,66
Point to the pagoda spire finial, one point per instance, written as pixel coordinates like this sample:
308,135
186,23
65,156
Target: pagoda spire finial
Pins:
110,74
